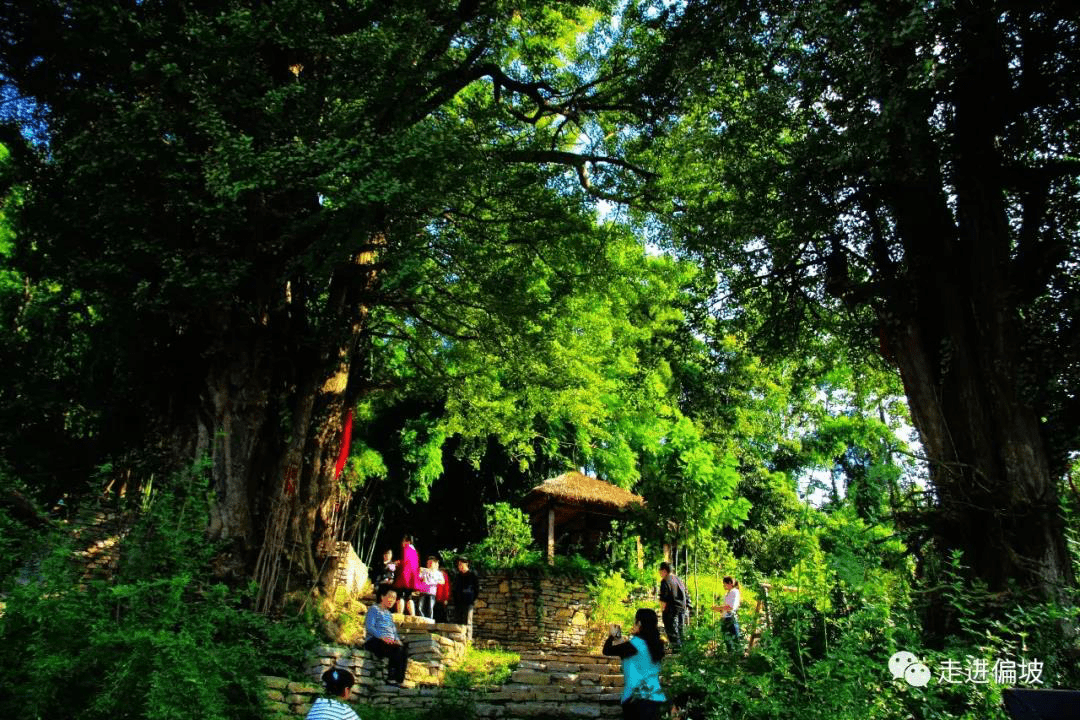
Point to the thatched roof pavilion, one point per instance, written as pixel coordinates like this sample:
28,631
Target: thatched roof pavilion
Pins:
578,503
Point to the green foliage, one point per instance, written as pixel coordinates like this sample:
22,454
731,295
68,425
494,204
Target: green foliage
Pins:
509,536
610,593
851,606
162,639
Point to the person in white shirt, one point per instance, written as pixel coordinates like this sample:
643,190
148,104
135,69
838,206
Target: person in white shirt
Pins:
339,682
728,607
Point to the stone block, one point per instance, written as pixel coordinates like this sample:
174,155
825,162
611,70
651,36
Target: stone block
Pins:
563,667
580,710
595,668
276,683
521,693
532,709
276,707
554,693
274,695
530,677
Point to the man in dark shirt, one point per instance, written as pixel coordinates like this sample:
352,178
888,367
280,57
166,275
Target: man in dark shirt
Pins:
466,588
673,599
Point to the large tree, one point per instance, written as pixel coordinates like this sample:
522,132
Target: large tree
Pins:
234,194
902,174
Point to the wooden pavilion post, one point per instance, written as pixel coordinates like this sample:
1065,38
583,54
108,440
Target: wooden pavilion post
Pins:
551,535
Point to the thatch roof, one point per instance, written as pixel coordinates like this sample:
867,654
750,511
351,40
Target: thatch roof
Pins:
578,490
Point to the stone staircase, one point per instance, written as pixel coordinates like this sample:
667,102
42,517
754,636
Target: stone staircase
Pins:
564,682
556,683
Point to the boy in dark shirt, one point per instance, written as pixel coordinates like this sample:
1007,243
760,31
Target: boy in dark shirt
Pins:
466,589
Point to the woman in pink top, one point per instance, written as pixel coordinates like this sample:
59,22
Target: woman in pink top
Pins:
407,578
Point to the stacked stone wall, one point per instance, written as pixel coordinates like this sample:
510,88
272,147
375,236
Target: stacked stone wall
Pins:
527,606
547,683
433,648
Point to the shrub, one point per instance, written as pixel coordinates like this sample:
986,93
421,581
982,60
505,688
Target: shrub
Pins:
508,539
162,640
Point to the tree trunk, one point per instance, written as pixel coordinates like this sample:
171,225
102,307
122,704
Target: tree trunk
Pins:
276,502
954,330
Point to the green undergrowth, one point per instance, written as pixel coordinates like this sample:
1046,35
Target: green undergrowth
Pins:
162,639
832,663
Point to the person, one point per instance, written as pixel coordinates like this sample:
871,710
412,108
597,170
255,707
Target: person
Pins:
728,606
430,579
338,682
383,640
673,602
384,573
466,590
442,596
407,577
640,654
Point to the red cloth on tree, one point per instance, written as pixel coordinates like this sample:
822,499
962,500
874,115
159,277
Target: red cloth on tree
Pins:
346,439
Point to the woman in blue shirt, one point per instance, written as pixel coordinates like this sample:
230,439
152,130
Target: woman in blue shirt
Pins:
641,654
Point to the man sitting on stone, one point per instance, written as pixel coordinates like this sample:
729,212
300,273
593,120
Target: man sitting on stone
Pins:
339,682
382,636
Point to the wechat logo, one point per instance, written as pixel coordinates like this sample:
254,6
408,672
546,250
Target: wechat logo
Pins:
905,665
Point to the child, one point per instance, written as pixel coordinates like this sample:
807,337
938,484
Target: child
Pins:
430,579
339,682
383,576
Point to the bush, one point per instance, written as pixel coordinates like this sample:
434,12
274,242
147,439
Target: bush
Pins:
508,540
162,640
832,663
610,593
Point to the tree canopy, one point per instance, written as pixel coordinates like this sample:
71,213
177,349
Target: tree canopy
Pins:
702,249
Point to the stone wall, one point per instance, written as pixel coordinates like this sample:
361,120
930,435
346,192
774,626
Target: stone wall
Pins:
432,649
344,569
527,606
547,683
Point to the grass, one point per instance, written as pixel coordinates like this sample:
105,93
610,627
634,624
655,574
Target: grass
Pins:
481,668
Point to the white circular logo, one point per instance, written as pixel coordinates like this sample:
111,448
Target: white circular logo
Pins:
917,675
899,662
